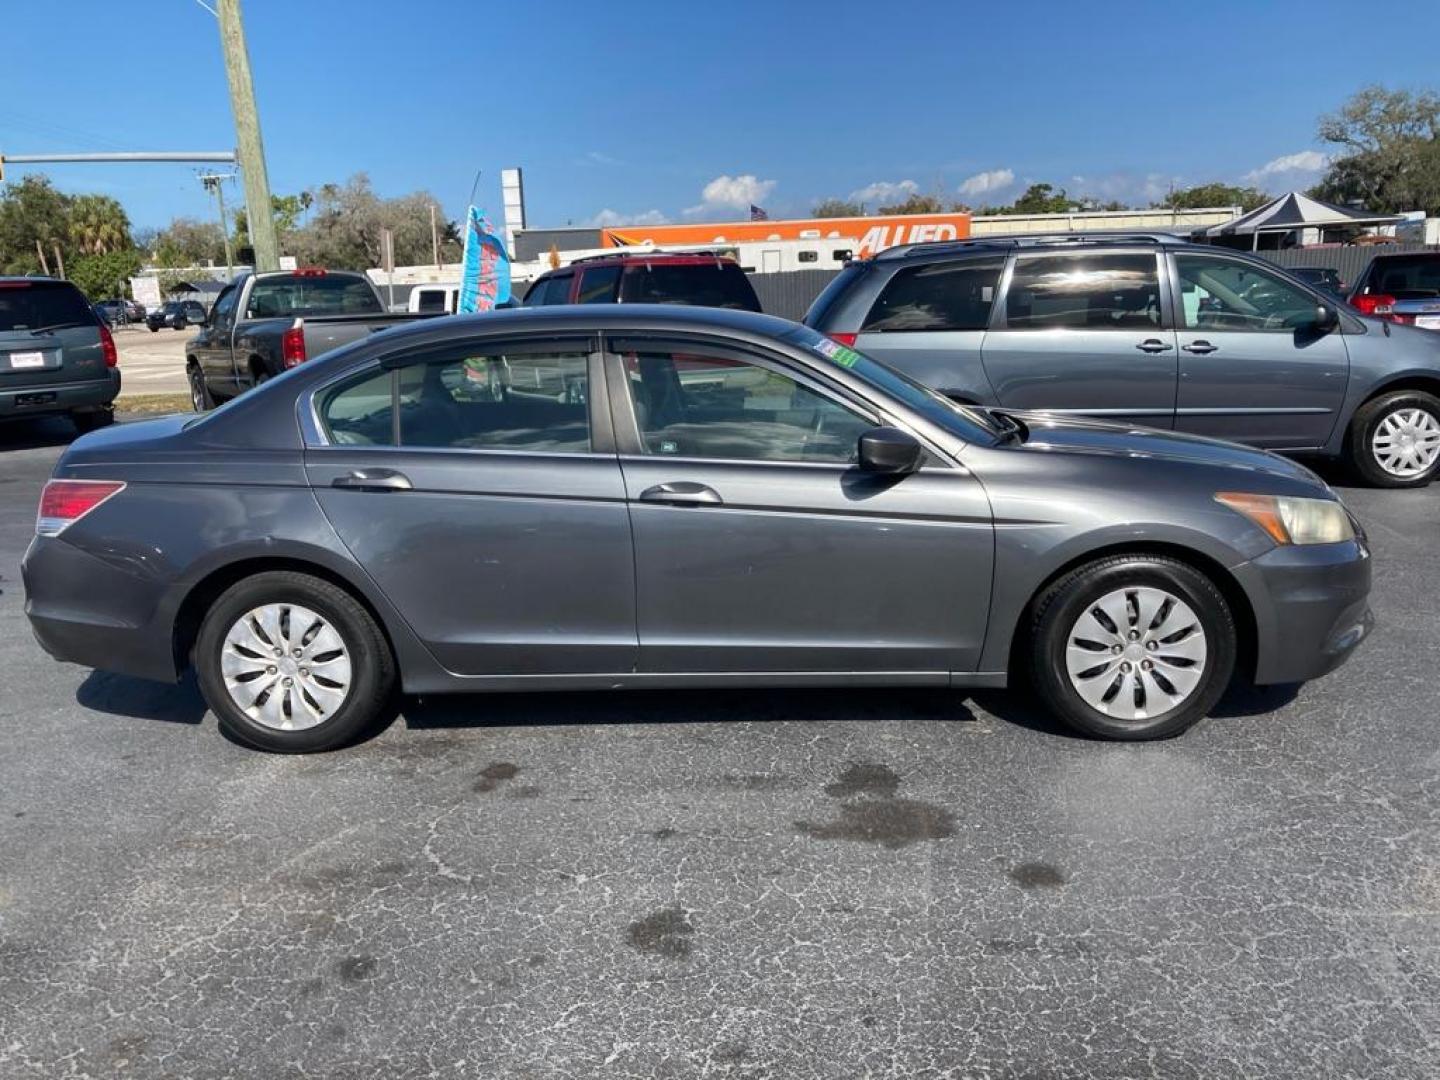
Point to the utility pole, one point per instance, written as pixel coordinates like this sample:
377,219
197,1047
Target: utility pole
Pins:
216,183
248,144
434,236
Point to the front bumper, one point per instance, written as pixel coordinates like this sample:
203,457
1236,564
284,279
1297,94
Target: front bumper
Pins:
1311,606
22,401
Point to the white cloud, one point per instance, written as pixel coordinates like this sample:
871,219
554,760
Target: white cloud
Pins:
597,157
732,193
987,183
608,218
1132,189
883,191
1291,167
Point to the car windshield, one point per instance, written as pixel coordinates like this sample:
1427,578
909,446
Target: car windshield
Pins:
37,305
968,423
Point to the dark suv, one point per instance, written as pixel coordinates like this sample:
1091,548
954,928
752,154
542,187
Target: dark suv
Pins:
56,354
657,278
1146,328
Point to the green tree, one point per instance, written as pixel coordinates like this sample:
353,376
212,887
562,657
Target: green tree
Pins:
287,211
98,225
106,274
188,242
916,202
1211,195
31,210
1388,154
1041,199
344,228
826,208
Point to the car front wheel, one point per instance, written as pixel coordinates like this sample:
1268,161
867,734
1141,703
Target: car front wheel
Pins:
1395,439
200,399
293,664
1132,647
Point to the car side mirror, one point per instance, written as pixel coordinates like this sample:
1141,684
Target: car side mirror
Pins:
890,451
1327,318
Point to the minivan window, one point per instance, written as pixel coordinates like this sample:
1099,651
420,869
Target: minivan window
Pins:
551,290
1084,292
597,285
719,284
39,305
942,296
1406,277
1226,294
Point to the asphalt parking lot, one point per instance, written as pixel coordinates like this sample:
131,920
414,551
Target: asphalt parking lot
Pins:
150,362
739,884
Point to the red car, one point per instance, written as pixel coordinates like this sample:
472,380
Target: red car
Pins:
651,278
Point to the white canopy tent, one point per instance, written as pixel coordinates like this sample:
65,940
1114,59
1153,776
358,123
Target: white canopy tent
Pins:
1289,213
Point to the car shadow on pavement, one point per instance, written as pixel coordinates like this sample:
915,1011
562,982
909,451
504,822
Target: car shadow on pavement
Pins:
36,434
681,707
141,699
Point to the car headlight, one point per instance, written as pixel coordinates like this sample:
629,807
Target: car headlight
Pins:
1291,520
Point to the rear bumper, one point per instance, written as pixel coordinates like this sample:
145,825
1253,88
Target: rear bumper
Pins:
87,610
1311,606
20,401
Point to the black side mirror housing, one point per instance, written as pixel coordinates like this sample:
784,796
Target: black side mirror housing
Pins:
890,451
1327,318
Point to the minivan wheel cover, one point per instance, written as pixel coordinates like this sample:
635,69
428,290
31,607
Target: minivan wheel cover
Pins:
1136,653
1406,442
285,667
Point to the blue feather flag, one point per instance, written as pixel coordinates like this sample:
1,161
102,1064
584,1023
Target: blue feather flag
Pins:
485,273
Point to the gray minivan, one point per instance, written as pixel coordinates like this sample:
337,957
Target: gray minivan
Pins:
56,356
1149,329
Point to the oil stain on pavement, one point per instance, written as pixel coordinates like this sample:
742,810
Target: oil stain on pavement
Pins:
879,816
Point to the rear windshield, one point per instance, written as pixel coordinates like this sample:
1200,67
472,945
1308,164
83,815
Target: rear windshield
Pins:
722,285
37,305
1413,277
329,295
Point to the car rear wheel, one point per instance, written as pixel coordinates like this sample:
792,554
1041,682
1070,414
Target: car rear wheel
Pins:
1395,439
293,664
200,399
1132,647
93,420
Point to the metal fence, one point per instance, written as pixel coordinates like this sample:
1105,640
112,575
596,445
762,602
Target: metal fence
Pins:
1348,262
789,295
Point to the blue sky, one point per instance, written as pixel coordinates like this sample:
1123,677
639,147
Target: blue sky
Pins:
633,109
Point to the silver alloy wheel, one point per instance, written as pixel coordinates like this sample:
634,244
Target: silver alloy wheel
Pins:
1136,653
197,391
285,667
1406,442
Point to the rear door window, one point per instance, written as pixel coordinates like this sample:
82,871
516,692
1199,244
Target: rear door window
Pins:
310,295
38,305
1406,277
1084,292
553,290
942,296
722,285
597,285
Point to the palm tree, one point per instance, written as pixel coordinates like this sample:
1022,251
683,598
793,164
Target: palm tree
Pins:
98,225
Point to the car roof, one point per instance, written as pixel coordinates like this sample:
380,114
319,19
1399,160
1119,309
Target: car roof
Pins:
669,258
33,279
980,245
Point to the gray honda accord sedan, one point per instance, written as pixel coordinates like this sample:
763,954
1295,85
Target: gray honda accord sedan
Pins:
630,496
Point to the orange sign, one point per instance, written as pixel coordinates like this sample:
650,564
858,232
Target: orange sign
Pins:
870,234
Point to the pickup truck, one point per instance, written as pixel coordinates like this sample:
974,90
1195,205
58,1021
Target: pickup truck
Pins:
264,324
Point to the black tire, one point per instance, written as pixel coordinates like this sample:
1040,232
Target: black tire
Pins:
1360,448
92,421
1058,610
154,329
200,397
372,666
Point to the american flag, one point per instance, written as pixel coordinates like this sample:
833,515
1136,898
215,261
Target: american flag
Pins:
758,213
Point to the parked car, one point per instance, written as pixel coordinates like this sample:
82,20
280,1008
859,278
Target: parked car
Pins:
643,496
1149,329
56,355
134,311
264,324
113,312
433,299
176,314
1324,279
1401,288
651,278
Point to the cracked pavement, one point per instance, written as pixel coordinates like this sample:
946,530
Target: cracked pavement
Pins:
725,884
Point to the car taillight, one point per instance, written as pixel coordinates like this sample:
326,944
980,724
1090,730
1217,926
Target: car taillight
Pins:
64,502
1381,305
310,271
843,339
292,346
107,346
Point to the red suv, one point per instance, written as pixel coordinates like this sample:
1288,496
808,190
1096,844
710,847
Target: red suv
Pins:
658,278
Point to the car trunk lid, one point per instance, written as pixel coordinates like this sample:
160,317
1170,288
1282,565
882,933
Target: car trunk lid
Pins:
48,335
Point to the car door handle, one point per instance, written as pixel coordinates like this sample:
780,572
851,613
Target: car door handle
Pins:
373,480
1201,347
682,493
1154,345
